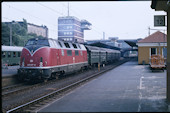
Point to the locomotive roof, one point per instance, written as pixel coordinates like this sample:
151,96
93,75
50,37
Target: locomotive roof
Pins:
62,44
12,48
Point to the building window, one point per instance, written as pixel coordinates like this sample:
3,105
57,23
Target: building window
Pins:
153,51
69,52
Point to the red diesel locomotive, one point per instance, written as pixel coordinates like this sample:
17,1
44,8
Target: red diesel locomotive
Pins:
43,58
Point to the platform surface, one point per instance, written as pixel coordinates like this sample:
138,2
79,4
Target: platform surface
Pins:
127,88
10,71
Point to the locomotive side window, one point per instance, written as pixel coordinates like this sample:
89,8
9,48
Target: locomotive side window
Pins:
67,45
79,46
51,43
60,44
69,52
62,52
9,54
76,53
74,45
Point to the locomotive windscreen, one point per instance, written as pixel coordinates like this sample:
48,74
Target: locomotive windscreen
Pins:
43,42
36,43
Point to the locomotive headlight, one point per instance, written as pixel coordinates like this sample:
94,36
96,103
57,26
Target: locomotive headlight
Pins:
41,62
41,71
23,59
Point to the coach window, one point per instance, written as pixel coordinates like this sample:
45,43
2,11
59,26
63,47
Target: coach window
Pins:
14,54
76,53
3,54
19,54
69,52
9,54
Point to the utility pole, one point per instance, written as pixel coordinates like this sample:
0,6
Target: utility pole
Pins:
148,31
103,35
68,8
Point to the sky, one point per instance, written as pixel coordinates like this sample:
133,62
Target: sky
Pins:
122,19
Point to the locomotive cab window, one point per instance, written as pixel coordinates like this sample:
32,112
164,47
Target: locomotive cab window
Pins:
60,44
67,45
38,42
74,45
79,46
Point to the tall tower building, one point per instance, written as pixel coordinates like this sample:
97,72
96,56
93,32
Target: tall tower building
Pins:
71,29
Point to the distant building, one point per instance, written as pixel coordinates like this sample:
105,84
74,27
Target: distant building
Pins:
38,30
72,29
155,43
32,28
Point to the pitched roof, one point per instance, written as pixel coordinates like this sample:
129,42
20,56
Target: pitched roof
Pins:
155,38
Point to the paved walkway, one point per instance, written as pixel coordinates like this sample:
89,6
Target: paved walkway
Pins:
127,88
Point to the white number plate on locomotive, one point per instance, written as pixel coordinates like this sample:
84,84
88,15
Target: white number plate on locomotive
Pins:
31,60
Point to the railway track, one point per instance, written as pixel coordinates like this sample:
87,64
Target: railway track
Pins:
34,104
6,91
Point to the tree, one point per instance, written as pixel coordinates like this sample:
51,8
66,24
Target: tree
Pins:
5,33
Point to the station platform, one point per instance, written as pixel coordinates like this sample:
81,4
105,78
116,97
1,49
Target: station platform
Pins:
128,88
8,75
9,71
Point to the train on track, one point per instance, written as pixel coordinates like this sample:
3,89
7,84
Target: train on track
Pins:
44,58
10,55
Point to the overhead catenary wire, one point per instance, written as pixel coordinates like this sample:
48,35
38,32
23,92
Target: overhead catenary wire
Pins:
100,33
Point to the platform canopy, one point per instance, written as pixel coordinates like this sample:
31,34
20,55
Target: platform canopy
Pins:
132,43
100,44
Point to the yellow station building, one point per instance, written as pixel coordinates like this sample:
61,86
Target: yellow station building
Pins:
155,43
